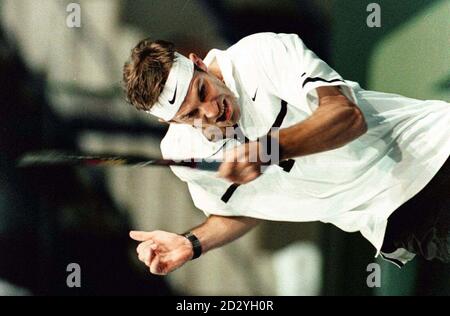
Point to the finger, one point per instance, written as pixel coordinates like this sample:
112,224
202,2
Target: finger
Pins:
141,256
140,235
148,256
142,245
145,253
154,265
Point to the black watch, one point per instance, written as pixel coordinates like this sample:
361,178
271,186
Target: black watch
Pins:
196,246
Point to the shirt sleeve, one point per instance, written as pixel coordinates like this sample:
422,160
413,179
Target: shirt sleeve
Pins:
205,190
205,201
292,72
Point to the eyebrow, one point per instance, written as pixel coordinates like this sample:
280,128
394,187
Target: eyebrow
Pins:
200,80
195,86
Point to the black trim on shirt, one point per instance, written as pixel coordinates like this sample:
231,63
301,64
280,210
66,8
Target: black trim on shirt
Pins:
286,165
281,115
314,79
229,192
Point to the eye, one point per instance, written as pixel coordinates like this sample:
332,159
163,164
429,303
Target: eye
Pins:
202,92
191,114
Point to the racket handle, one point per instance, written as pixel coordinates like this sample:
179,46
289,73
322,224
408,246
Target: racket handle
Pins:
286,165
208,165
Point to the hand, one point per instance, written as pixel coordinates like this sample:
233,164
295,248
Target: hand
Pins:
242,163
161,251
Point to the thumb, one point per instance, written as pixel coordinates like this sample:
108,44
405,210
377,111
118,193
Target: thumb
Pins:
140,236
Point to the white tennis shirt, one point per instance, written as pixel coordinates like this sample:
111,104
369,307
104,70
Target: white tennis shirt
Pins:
355,187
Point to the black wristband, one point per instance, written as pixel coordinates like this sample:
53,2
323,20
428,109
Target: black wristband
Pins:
196,245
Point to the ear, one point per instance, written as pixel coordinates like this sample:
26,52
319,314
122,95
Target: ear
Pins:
198,61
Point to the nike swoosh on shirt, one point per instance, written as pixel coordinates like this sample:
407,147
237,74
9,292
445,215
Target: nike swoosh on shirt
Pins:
174,96
254,98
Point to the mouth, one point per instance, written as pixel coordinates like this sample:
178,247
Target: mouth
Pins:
226,113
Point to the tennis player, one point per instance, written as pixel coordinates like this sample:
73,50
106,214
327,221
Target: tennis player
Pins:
364,161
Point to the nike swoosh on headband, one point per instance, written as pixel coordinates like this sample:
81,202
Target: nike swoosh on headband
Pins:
174,96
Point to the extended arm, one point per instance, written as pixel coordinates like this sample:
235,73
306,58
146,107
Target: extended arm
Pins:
164,252
217,231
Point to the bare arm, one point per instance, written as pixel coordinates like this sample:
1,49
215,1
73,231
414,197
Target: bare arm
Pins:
217,231
335,123
163,252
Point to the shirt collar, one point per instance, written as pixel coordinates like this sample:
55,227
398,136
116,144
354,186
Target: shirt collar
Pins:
226,68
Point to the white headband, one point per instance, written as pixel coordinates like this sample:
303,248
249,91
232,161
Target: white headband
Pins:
175,88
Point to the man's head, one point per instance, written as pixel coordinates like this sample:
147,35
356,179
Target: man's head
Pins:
156,77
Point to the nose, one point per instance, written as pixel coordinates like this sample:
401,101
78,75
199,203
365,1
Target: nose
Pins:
210,110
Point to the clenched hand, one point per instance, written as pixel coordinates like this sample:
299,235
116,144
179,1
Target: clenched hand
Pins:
242,163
